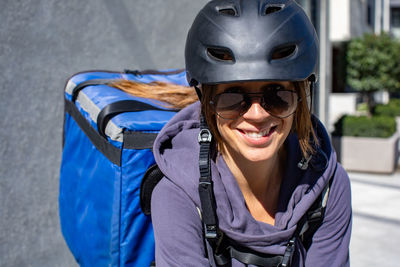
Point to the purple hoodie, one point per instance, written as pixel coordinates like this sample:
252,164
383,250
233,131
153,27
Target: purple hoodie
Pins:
176,213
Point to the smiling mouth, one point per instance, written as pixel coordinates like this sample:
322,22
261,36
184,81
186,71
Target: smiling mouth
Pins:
260,134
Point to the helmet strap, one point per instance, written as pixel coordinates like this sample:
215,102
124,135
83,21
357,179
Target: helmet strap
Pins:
195,84
198,92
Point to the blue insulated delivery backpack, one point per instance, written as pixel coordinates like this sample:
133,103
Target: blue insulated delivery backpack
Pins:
107,142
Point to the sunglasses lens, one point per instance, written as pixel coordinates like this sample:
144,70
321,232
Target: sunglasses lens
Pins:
281,103
230,105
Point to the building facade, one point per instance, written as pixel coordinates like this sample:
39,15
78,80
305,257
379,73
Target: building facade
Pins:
337,22
353,18
350,19
318,12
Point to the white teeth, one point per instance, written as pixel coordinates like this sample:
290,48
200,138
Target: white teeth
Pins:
257,134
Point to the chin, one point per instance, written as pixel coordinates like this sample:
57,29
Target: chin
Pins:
255,156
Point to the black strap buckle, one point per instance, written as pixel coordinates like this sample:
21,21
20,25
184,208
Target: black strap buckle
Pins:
208,210
287,257
210,232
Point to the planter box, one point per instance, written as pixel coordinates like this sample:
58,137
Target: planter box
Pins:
398,132
367,154
398,124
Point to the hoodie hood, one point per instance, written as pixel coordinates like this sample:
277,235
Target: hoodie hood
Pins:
176,151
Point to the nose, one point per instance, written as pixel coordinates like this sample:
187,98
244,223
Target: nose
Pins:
256,112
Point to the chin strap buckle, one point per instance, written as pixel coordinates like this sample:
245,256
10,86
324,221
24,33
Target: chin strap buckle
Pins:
205,136
303,164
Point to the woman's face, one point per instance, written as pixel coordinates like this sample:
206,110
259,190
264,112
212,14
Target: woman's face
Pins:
255,135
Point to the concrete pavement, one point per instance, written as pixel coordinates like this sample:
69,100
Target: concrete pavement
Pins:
376,220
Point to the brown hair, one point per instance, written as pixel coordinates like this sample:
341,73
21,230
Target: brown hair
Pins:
175,96
301,124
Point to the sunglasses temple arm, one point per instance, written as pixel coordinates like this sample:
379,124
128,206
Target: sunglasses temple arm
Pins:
312,80
312,87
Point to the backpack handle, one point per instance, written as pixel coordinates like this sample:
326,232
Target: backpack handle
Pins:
113,109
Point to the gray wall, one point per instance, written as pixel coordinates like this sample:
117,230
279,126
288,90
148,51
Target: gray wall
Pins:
42,43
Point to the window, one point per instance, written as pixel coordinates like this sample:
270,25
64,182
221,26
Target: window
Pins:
395,21
395,17
369,14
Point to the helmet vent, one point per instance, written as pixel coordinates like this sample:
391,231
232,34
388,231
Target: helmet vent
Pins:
269,9
227,11
283,52
220,54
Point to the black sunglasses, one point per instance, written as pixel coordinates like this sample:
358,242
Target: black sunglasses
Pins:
274,98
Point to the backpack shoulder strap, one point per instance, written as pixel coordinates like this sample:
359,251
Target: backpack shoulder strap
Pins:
150,179
313,218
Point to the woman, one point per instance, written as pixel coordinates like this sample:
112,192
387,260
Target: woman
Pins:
253,63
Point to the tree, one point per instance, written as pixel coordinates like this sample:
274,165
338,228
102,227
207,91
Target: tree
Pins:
373,64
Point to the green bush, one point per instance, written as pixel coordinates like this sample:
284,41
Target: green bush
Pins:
363,126
392,109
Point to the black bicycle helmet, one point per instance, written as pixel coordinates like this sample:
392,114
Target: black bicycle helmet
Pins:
248,40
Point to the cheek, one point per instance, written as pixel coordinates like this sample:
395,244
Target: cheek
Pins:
288,125
220,127
223,128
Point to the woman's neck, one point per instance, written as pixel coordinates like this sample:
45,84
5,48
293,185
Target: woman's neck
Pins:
259,182
256,176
